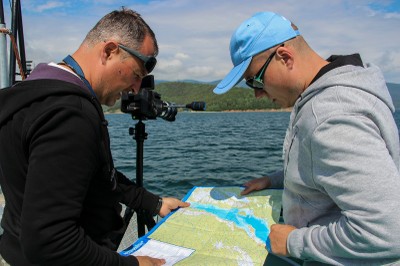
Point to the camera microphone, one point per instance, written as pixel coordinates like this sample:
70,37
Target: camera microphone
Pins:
195,106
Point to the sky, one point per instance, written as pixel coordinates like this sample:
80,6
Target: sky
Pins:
194,35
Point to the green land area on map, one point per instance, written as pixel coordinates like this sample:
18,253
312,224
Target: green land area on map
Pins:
223,227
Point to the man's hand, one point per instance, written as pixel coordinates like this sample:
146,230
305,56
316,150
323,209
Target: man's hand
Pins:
170,204
149,261
256,184
278,238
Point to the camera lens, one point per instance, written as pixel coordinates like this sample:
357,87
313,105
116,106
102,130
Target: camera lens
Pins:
168,112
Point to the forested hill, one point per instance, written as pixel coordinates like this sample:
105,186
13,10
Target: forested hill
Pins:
184,93
235,99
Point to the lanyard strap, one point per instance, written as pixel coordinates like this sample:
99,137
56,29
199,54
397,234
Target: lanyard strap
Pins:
70,61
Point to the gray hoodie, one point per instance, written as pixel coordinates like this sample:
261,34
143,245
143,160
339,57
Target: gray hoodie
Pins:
341,171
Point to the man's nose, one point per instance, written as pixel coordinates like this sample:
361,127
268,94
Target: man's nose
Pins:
260,93
136,85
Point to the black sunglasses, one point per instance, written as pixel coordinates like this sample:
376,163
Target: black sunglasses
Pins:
148,61
257,82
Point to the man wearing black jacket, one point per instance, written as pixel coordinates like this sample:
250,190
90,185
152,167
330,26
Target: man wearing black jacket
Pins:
62,191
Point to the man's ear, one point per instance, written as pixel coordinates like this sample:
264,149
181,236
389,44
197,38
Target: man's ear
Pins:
286,55
109,50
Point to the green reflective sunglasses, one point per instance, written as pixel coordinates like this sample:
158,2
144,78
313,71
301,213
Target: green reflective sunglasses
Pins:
257,82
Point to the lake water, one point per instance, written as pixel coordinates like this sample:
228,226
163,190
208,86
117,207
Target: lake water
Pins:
201,149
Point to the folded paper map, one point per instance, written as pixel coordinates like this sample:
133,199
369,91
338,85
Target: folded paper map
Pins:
220,227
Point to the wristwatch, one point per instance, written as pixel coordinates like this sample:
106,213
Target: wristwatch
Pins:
158,208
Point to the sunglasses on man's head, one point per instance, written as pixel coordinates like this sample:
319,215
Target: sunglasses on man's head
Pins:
148,61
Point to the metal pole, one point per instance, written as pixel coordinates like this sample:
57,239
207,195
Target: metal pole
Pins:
4,75
14,27
21,37
1,12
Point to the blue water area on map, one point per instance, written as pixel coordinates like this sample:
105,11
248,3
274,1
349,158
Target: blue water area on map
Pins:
242,221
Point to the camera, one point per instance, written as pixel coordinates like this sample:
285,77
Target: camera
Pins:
147,104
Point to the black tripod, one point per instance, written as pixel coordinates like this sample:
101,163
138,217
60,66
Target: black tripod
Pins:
144,218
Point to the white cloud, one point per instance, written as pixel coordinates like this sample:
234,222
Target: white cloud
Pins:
200,71
392,15
182,56
48,5
169,65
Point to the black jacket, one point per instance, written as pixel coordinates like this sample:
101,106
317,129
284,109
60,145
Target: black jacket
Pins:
62,202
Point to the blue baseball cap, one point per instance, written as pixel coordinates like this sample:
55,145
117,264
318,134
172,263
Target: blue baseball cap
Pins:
255,35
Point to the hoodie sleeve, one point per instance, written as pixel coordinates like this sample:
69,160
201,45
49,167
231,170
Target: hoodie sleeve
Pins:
353,166
136,197
276,179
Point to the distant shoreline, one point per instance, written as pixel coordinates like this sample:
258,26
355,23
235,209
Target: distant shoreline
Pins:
258,110
228,111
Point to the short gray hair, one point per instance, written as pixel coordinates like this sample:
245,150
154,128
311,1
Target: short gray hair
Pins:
125,26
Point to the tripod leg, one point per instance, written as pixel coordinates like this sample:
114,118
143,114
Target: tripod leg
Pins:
150,223
145,220
141,222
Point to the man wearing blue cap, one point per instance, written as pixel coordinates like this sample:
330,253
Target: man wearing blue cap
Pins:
341,151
